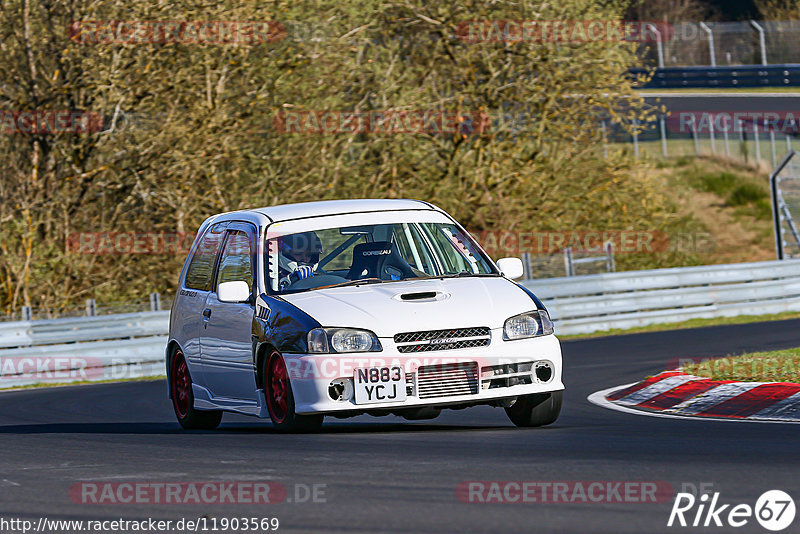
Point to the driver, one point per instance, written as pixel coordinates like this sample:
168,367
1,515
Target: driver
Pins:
298,256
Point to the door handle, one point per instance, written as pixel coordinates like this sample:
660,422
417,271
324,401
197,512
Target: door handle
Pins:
207,313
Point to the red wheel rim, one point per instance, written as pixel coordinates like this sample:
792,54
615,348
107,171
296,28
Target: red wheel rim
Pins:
277,389
181,386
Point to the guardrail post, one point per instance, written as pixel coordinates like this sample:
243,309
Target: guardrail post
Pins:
91,308
568,265
155,302
27,313
526,266
663,128
610,266
635,139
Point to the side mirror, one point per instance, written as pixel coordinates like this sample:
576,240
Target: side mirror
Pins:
511,267
237,291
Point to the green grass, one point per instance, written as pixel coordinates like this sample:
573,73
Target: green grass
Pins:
82,383
772,366
692,323
737,189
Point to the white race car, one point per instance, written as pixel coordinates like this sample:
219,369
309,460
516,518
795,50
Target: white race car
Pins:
348,307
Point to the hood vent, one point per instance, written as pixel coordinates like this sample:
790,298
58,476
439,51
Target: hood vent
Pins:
418,296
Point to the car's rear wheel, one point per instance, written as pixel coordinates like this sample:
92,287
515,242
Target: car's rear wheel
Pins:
538,409
280,400
183,399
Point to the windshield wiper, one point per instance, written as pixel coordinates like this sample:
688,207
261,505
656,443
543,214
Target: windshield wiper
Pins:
354,283
461,274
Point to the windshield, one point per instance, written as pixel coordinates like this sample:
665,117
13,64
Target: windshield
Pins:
371,254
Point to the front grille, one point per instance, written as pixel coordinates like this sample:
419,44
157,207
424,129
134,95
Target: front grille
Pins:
447,380
455,338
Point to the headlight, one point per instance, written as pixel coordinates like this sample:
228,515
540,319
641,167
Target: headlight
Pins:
531,324
326,340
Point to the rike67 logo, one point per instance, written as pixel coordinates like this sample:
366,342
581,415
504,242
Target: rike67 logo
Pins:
774,510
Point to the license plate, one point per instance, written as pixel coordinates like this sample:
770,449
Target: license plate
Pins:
379,384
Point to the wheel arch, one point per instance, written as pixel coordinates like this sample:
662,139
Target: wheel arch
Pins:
172,347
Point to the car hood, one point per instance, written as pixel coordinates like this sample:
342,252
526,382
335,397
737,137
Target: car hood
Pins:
435,304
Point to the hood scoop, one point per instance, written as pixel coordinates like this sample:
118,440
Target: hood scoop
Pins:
418,296
421,296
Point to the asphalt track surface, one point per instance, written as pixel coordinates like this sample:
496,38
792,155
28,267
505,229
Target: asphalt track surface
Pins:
395,476
725,103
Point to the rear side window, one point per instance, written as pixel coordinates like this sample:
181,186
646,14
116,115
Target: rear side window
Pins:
201,268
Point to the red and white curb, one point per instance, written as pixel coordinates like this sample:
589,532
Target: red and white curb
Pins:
677,394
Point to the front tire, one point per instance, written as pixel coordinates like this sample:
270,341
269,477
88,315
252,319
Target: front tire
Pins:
183,399
538,409
280,400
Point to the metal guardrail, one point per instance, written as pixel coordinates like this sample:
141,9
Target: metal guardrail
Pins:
787,75
128,345
132,344
586,304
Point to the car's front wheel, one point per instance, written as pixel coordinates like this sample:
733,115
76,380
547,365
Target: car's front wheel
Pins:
538,409
280,400
183,399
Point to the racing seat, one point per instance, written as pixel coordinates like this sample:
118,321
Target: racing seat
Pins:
379,259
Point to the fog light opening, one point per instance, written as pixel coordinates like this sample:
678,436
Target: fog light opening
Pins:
544,371
341,389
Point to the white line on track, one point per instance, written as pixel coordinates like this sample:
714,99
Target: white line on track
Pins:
599,398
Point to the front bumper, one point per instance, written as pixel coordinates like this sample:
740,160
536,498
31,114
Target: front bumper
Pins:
311,375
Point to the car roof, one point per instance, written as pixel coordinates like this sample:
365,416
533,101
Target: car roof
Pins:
321,208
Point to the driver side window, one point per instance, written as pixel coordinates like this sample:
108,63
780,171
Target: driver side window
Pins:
236,262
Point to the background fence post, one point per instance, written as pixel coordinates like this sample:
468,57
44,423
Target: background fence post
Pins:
761,41
568,265
758,146
155,302
663,136
774,150
710,43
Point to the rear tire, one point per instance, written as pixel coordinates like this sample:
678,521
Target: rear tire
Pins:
280,400
183,399
538,409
